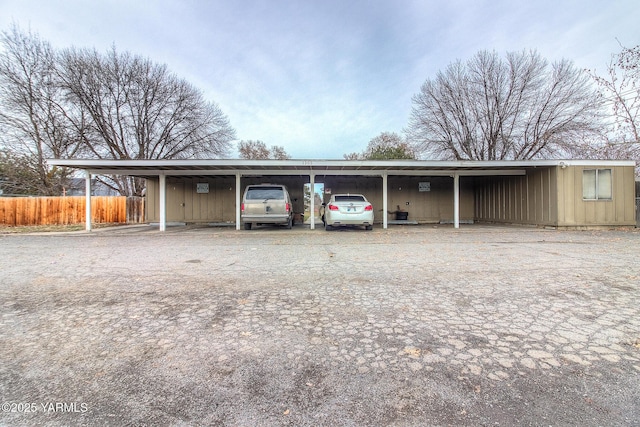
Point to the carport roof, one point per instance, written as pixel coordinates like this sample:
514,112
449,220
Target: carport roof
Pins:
148,168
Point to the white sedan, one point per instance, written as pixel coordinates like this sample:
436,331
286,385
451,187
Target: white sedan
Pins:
348,209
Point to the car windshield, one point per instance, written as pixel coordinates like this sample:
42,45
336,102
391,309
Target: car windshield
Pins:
349,199
264,193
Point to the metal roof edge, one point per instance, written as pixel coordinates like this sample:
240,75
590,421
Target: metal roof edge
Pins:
124,164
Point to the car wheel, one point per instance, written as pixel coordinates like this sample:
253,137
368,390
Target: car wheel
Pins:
369,227
247,226
327,227
289,223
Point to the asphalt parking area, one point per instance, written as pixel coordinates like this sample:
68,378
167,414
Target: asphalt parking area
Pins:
405,326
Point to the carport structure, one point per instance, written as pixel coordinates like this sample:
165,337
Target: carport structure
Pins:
546,192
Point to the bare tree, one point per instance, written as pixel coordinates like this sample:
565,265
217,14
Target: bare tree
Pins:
36,125
620,90
258,150
386,146
80,103
352,156
278,153
18,176
139,110
494,109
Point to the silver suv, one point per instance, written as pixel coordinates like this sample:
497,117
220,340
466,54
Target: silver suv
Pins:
266,204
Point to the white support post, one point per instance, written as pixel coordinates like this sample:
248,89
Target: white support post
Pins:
163,202
456,200
87,214
312,207
238,201
385,207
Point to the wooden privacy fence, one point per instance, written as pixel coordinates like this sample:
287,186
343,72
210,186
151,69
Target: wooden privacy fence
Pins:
70,210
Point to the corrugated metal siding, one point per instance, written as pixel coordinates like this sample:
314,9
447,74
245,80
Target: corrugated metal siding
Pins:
544,196
432,206
576,212
553,196
215,206
185,204
524,199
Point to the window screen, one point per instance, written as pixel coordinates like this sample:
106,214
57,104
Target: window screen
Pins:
596,184
604,183
589,184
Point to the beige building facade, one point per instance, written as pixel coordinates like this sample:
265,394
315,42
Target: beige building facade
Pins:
431,203
542,196
554,193
559,197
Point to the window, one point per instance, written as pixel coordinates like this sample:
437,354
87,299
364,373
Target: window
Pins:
349,198
265,193
596,184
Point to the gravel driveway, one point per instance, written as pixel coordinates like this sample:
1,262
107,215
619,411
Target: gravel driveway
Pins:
406,326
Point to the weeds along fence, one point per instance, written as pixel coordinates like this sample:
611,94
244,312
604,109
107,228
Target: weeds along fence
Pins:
16,211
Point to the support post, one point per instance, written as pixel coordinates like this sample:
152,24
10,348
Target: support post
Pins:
87,214
238,201
385,206
163,202
312,206
456,200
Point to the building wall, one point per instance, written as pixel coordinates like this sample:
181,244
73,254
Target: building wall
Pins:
185,204
544,196
433,206
573,211
522,199
553,196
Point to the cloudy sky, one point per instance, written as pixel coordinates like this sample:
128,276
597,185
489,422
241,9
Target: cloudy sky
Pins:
323,77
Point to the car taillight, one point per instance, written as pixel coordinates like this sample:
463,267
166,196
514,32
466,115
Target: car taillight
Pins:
242,207
333,208
288,207
368,208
